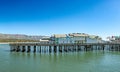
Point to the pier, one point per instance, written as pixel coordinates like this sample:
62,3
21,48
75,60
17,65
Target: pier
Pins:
59,48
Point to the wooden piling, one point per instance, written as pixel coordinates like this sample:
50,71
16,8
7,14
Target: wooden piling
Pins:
28,49
23,49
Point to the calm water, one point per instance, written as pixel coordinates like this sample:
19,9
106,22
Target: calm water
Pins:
68,62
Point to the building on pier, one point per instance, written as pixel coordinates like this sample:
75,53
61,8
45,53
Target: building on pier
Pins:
75,38
114,39
45,40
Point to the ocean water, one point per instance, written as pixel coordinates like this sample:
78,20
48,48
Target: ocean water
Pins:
91,61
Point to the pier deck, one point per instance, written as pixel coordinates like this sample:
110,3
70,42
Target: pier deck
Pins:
51,47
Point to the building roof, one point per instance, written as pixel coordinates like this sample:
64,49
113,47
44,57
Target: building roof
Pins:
59,35
78,34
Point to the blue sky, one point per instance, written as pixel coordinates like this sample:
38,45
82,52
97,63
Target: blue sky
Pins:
46,17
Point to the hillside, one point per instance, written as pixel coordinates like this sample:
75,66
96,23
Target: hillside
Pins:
18,37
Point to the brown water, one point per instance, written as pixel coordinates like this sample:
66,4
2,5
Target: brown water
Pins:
95,61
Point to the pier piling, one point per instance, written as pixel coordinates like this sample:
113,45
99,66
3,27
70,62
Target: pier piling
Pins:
60,48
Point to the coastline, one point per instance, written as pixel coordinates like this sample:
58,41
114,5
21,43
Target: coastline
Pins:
4,42
13,42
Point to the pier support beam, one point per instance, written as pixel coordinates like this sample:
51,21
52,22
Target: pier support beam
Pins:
55,49
103,47
60,49
72,47
28,49
18,48
65,49
23,49
118,47
34,49
50,49
78,48
40,49
87,47
112,48
68,48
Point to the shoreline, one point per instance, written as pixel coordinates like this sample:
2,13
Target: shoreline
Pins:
11,42
4,42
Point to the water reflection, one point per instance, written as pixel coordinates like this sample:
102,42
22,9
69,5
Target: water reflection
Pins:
61,56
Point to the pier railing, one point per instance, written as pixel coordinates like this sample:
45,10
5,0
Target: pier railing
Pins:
52,43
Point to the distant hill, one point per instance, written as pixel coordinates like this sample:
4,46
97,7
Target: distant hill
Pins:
20,37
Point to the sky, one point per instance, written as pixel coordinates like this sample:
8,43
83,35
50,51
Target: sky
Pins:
47,17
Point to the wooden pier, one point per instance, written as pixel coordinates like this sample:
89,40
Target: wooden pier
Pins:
59,48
